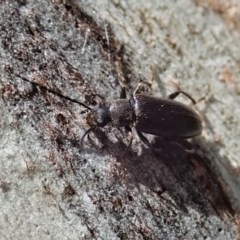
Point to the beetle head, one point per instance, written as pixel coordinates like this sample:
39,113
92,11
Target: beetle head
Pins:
101,115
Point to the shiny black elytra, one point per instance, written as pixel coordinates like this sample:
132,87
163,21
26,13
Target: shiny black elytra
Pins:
157,116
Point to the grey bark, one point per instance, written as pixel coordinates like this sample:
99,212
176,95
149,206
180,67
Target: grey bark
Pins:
87,50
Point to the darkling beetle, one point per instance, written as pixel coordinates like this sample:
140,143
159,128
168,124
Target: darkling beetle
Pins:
157,116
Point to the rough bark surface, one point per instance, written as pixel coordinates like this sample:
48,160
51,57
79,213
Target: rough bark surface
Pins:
88,50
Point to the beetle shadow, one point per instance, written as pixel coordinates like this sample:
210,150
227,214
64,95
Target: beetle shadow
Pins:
178,177
175,175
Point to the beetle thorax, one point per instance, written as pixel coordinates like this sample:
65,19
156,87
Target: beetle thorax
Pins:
121,113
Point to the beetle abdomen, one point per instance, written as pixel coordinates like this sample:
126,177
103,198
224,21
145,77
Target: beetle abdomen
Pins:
165,117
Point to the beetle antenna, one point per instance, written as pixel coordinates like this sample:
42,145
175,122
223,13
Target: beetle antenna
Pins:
54,92
85,134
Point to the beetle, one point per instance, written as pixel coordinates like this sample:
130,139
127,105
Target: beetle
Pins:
147,114
151,115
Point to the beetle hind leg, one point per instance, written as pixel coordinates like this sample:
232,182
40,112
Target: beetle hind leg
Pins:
144,139
194,102
175,94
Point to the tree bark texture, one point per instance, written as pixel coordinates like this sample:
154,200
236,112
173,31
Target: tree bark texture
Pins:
53,188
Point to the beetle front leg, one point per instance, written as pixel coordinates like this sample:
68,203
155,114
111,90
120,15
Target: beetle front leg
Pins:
143,88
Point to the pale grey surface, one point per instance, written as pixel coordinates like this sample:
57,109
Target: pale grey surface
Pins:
51,190
210,55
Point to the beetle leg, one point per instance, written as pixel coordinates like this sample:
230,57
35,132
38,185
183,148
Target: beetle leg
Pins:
128,131
123,94
86,134
143,88
129,145
186,145
144,139
175,94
